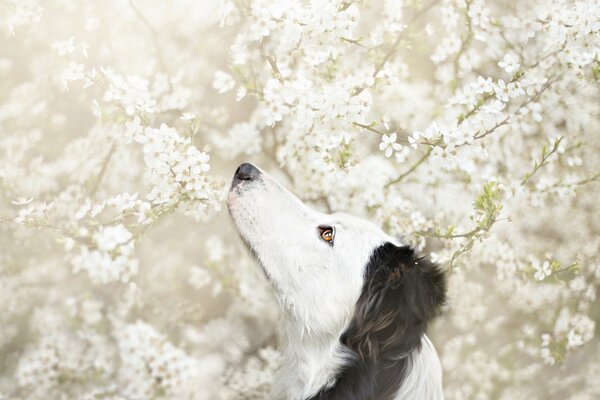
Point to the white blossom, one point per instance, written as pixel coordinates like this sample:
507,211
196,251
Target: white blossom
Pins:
388,144
510,62
223,82
542,271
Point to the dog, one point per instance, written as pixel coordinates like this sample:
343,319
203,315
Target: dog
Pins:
355,303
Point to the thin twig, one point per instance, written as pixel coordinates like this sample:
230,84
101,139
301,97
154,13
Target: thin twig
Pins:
543,161
369,128
159,55
442,236
103,169
583,181
355,42
457,235
411,169
274,67
464,44
394,46
381,133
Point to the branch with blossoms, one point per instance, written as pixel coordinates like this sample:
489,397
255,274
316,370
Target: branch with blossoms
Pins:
487,206
570,185
104,234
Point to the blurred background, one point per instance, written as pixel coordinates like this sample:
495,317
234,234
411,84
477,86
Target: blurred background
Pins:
467,128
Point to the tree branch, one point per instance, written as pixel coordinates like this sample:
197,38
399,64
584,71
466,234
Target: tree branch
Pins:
411,169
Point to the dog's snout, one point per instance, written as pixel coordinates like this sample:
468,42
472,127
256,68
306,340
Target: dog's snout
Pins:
246,172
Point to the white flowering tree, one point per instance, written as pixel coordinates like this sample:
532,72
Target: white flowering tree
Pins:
469,128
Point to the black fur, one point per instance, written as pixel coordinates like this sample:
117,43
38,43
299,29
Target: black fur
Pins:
401,295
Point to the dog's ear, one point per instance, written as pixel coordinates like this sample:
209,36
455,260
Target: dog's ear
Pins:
401,295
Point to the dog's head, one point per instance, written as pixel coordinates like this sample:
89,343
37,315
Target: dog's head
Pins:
331,270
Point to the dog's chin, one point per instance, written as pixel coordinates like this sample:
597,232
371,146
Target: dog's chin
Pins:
254,255
249,247
234,212
233,205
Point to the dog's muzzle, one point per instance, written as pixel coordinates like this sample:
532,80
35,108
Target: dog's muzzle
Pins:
245,172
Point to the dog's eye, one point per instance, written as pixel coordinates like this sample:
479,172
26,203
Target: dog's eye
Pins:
327,233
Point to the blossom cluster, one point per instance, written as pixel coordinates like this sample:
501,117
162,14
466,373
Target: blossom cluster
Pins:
467,128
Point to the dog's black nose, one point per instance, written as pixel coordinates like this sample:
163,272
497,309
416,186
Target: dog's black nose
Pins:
246,172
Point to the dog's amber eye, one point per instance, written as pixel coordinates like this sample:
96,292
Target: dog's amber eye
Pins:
327,233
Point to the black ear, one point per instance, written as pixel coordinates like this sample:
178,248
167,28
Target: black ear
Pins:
402,293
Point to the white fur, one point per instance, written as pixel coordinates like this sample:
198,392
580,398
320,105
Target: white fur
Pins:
424,381
317,286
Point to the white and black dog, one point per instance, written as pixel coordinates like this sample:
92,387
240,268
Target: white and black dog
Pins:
355,303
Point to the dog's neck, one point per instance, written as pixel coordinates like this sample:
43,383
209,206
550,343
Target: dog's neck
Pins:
312,364
310,361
